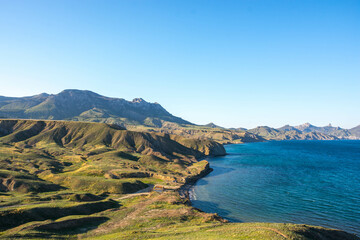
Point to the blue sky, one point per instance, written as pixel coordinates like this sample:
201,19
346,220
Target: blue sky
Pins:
234,63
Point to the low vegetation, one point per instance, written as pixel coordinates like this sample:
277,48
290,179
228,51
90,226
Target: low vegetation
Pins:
40,156
154,215
71,180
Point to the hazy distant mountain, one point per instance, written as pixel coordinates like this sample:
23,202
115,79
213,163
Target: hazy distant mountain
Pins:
212,125
355,131
329,130
306,131
86,106
289,128
240,129
265,132
306,127
289,133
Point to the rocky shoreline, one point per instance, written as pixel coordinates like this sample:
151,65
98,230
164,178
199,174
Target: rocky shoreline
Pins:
184,189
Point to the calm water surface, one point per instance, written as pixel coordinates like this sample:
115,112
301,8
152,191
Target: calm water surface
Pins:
312,182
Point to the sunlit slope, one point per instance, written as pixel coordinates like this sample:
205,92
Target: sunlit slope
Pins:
153,216
89,136
94,157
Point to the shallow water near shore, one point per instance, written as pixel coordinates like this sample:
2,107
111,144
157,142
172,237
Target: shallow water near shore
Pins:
307,182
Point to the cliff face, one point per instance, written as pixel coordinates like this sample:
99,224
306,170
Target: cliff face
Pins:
208,147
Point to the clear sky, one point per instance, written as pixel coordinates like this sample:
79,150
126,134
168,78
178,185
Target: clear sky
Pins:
241,63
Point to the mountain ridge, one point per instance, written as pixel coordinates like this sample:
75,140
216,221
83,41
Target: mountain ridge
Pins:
138,114
306,131
84,105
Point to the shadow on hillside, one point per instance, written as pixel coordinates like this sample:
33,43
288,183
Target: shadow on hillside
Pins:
66,227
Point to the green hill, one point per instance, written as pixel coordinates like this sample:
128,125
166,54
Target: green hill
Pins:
78,155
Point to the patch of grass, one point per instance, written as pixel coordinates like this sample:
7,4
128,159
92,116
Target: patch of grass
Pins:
12,217
96,185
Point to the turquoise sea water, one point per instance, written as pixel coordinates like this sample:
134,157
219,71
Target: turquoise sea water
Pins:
310,182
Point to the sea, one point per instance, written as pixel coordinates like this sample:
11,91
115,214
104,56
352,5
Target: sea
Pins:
305,182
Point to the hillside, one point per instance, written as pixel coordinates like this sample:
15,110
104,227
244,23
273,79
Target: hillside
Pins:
63,152
289,128
86,106
215,133
70,180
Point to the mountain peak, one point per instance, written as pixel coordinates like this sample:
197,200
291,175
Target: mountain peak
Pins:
77,91
42,95
287,127
305,125
212,125
138,100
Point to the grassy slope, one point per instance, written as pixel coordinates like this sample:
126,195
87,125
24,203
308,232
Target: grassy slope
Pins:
70,179
93,157
166,216
153,216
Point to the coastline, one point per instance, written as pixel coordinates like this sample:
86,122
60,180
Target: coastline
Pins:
183,192
185,189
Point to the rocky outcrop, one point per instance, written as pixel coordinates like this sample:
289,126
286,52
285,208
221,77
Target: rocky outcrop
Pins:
201,172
